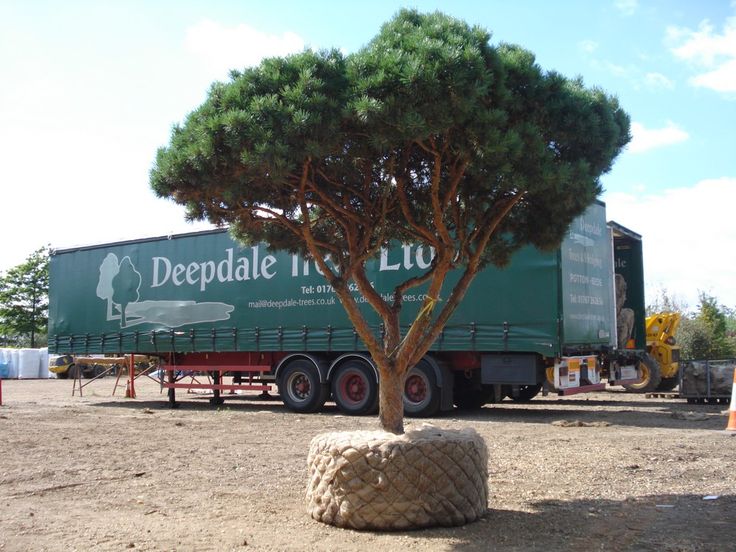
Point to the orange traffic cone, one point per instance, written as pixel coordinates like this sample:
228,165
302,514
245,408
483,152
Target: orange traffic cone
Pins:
732,409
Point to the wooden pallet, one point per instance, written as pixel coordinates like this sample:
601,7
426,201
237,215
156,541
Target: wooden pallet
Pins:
690,400
662,395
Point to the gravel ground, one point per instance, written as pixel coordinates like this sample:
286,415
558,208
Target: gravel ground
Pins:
605,471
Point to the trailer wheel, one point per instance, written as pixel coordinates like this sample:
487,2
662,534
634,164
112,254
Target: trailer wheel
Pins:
89,372
650,376
526,392
667,384
471,399
421,394
300,388
355,389
470,395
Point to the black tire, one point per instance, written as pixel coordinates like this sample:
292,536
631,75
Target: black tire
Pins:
651,376
72,371
668,384
300,387
354,388
421,393
470,395
471,399
89,372
526,392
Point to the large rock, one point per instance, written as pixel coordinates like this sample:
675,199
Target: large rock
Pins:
701,378
378,480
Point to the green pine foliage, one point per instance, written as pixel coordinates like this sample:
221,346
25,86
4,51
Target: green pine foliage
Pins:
429,93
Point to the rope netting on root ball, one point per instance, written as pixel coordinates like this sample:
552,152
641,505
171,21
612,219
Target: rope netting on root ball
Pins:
379,480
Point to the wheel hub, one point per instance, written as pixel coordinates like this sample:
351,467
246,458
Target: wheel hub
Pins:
415,389
355,388
300,386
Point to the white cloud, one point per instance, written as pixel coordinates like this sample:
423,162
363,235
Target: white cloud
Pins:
635,75
689,238
645,139
71,204
722,79
656,81
588,46
708,51
223,48
627,7
616,70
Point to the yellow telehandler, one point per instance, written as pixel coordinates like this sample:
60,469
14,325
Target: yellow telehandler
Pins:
662,347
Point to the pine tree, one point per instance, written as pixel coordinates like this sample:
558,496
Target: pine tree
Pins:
429,135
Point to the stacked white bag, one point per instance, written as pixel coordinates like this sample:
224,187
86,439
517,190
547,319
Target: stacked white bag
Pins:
25,363
29,361
4,364
43,363
11,359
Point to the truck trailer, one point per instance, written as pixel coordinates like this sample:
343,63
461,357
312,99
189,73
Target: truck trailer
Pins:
251,318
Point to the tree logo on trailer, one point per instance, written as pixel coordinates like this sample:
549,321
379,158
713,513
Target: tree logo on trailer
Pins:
120,284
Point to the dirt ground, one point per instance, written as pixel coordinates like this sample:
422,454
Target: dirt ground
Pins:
606,471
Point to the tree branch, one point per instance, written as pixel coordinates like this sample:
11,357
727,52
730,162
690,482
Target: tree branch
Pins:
457,175
338,281
437,210
422,232
458,292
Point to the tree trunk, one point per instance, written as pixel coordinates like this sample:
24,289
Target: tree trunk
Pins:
391,398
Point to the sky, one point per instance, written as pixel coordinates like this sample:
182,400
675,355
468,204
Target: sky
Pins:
90,90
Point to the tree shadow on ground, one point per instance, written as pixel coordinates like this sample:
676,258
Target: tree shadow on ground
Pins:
676,415
202,402
660,523
634,414
199,402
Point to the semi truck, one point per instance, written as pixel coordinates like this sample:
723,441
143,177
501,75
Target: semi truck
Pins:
252,318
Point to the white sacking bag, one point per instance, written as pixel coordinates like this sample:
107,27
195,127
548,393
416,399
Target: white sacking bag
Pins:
11,359
4,369
43,363
29,363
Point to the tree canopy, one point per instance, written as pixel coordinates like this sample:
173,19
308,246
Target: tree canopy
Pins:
705,335
428,134
24,300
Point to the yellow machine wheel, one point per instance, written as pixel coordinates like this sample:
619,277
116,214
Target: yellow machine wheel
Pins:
550,371
650,376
